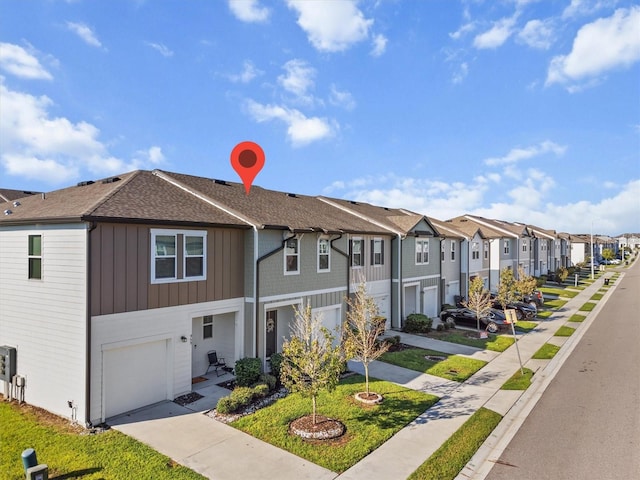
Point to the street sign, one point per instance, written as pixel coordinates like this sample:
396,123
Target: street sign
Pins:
511,316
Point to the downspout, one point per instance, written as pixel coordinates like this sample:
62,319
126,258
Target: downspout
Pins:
257,284
400,296
345,255
87,388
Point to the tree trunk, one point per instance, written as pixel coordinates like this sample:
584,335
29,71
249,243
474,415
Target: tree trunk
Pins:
366,377
313,400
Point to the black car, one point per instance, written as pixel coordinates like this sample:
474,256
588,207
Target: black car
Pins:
524,311
536,298
493,322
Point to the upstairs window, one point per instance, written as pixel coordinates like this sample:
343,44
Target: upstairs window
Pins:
524,246
442,247
35,256
453,250
486,250
506,247
377,251
475,251
207,326
178,255
292,256
357,252
422,252
324,252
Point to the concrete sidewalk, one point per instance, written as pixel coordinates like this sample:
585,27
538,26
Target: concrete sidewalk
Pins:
224,453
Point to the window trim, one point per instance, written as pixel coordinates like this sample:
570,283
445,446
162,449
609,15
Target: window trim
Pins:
453,251
486,250
423,242
506,247
360,240
32,257
207,321
285,255
324,240
180,274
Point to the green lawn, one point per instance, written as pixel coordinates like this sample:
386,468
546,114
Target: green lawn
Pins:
561,292
368,427
555,304
526,326
109,455
577,318
587,307
496,343
564,331
453,455
454,368
596,296
544,315
546,352
518,381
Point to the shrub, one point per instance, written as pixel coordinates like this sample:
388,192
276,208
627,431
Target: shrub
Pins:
241,397
276,363
227,405
392,341
440,327
541,280
248,371
261,390
270,380
417,323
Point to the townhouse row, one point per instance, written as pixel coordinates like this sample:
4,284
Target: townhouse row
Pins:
112,292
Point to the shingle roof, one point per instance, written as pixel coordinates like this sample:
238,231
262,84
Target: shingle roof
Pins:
8,195
134,196
273,209
470,227
448,230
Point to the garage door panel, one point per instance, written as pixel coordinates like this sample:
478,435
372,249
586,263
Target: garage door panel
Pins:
135,376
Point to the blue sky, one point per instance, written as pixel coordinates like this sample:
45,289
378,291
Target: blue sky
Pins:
520,110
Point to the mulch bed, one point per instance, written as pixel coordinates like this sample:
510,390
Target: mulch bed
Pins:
187,398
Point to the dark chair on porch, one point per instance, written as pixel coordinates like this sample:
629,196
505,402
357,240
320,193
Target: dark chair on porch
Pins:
217,363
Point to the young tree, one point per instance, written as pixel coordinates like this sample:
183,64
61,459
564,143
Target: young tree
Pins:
561,274
479,300
608,254
362,329
506,288
525,284
311,362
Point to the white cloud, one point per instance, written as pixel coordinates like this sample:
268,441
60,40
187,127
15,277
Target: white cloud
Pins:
518,154
461,73
331,26
249,72
85,33
342,99
162,49
586,7
17,61
298,78
463,30
152,156
53,150
537,34
606,44
379,45
301,130
249,11
496,35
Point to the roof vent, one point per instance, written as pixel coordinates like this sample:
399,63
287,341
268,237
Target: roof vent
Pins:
219,182
16,203
111,180
292,195
353,202
85,183
8,212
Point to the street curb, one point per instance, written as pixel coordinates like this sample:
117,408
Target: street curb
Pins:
490,451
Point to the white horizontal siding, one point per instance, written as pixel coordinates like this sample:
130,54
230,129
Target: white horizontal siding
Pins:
46,319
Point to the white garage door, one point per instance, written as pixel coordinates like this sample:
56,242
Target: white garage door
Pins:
134,376
431,302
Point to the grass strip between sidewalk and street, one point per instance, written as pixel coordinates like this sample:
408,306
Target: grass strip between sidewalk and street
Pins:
577,318
518,381
70,452
564,331
368,426
587,307
546,352
453,367
453,455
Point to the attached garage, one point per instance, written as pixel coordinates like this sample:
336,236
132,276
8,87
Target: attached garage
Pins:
134,376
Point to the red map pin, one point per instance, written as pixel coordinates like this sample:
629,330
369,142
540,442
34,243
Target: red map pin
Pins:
247,159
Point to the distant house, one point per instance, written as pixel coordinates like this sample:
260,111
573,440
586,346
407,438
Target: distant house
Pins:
9,195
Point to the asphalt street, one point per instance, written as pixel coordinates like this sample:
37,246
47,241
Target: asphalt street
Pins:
587,423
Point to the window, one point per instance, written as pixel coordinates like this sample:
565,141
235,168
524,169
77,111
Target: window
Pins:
506,247
422,252
324,252
291,256
486,250
442,250
207,326
35,256
193,256
475,251
453,250
524,245
377,251
357,252
178,256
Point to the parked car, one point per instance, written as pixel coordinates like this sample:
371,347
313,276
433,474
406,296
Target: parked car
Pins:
493,322
536,298
524,311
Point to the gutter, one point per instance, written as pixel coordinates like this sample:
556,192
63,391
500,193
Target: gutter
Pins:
87,412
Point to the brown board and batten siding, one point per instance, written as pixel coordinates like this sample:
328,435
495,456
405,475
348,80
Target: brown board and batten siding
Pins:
121,269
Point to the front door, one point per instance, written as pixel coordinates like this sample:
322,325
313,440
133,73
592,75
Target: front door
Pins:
271,329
